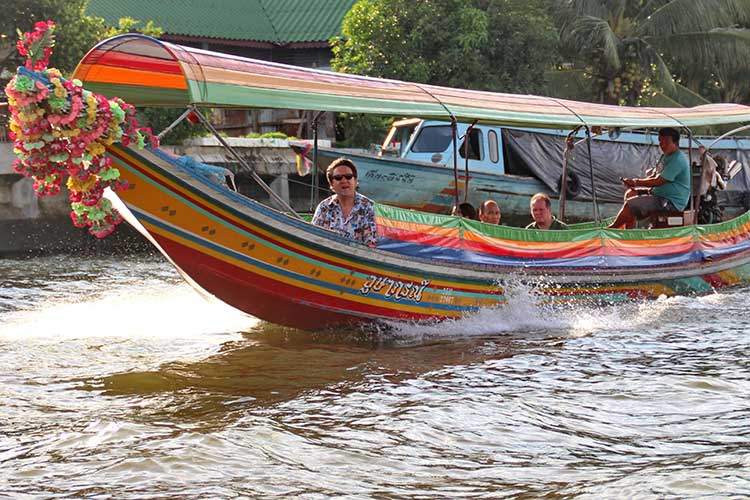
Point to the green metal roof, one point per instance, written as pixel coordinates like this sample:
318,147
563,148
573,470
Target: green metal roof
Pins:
274,21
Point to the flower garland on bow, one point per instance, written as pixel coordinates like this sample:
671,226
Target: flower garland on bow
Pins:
61,130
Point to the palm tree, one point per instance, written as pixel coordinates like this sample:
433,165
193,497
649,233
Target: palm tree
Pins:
631,49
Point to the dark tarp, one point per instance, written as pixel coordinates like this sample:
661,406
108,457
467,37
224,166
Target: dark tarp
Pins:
541,155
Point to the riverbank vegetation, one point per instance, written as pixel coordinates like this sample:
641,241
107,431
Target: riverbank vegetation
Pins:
628,52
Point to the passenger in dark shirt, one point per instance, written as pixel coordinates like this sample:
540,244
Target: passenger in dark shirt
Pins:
541,212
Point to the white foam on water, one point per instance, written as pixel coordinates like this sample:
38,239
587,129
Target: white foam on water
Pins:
152,310
526,311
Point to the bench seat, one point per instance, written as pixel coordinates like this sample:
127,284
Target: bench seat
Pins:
668,218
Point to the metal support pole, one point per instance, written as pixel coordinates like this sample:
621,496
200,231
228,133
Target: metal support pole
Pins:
454,132
569,145
563,185
314,188
278,199
591,172
174,124
467,137
731,132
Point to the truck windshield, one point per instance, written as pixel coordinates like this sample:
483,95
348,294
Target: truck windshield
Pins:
398,137
433,139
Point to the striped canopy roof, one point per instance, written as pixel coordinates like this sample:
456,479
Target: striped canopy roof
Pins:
148,72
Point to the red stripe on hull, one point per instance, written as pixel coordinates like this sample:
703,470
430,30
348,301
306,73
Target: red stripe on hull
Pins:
715,280
272,300
243,224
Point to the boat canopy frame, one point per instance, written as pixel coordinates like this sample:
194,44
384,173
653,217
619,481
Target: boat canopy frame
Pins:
145,71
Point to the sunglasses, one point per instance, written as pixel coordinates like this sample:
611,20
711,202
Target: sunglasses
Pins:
338,177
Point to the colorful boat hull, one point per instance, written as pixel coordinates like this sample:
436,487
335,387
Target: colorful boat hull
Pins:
289,272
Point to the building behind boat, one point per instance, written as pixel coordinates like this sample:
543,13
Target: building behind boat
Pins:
284,31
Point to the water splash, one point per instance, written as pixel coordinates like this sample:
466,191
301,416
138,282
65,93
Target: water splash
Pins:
527,311
135,310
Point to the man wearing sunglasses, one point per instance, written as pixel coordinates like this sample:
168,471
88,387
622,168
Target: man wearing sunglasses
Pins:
346,212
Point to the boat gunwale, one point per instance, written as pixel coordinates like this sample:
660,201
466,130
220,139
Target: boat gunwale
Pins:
234,203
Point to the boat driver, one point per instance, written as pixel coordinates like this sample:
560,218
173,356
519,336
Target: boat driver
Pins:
668,190
541,212
346,212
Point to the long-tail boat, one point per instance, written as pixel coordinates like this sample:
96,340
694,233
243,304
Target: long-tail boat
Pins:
282,269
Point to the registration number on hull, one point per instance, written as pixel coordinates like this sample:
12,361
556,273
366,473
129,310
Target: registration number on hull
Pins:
394,288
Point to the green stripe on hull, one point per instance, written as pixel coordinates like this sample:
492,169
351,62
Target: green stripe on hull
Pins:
309,260
690,286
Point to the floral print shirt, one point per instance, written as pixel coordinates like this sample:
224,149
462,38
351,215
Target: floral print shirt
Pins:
359,226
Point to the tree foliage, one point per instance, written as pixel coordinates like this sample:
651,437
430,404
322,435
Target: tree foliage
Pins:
75,32
631,49
158,119
356,130
500,45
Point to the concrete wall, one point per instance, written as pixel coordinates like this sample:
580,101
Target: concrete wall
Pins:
265,156
6,157
17,198
272,159
30,224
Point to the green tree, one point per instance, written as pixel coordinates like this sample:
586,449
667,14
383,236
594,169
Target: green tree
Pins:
631,49
75,32
355,130
130,25
500,45
158,119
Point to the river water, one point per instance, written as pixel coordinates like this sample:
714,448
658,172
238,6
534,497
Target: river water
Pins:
118,380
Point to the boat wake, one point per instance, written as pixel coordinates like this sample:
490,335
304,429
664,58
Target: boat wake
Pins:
526,312
134,310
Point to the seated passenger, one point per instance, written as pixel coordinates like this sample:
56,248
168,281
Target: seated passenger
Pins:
668,190
347,212
541,212
465,210
489,212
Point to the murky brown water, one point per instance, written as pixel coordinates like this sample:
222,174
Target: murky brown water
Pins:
117,380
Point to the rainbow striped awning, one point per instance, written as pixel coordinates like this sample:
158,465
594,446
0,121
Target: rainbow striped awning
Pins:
145,71
454,239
